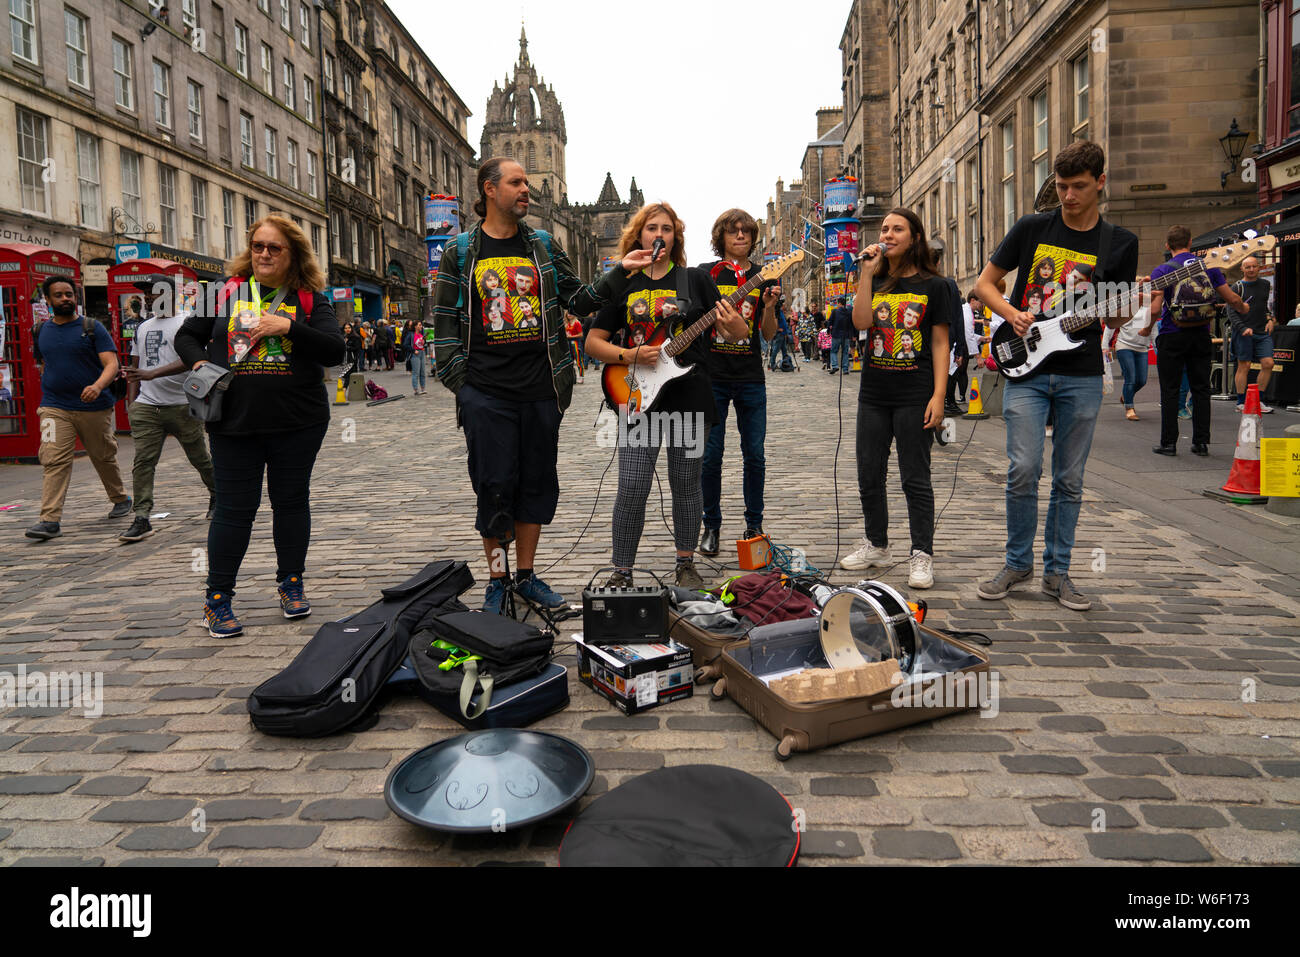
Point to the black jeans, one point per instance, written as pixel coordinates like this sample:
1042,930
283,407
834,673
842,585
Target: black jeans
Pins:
877,426
1190,350
239,461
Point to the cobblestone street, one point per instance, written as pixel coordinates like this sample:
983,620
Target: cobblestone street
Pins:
1171,705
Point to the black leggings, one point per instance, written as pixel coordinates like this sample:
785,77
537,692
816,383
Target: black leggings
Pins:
903,425
239,461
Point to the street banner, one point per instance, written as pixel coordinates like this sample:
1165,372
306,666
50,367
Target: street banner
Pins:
441,215
842,244
841,198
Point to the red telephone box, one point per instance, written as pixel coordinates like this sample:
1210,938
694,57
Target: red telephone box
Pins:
133,289
23,267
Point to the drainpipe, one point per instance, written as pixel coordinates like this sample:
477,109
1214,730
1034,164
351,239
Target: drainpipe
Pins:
324,152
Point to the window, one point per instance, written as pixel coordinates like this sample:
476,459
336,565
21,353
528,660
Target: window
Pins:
250,213
264,6
1042,163
162,94
315,238
347,89
194,106
199,214
290,86
365,104
268,71
401,200
123,81
167,204
22,29
189,16
431,152
397,129
241,49
1008,173
291,161
936,210
336,235
373,250
973,226
74,37
371,182
329,73
415,144
351,163
218,31
88,180
228,222
131,202
304,25
245,139
309,99
447,185
356,242
223,128
1079,73
331,154
286,16
272,159
418,196
311,174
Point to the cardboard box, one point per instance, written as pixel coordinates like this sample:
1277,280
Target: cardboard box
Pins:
637,677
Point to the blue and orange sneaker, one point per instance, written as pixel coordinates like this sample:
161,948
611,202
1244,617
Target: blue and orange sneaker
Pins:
494,599
292,602
539,593
221,621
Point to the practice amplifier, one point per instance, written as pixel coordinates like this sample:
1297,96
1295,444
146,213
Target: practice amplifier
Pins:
624,616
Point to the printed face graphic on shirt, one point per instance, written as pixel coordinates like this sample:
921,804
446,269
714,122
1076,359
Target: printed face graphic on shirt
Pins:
508,294
748,310
646,309
1056,272
271,355
896,336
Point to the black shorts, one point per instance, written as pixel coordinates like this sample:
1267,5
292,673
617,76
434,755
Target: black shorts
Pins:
513,447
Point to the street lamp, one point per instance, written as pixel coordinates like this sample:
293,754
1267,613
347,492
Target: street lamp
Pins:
1234,144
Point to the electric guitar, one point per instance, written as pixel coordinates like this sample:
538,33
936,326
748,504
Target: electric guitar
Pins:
638,386
1017,356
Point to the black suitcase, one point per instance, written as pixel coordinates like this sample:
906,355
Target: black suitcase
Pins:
335,680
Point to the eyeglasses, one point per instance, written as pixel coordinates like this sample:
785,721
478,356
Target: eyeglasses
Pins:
273,248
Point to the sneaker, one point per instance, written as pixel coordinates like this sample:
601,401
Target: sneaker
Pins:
140,529
44,531
865,556
292,602
754,533
1241,407
921,574
998,586
121,509
688,577
535,590
1131,415
1266,409
221,621
1048,432
494,599
619,580
1062,589
1184,413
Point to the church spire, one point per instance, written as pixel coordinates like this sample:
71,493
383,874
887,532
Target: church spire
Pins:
523,45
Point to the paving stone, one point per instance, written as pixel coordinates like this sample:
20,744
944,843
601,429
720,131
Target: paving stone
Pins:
38,783
627,760
119,725
1130,765
7,741
5,832
969,812
78,835
1018,705
1116,689
915,845
689,722
1124,789
184,693
1041,764
1267,818
47,743
1214,766
254,836
248,809
838,760
1281,769
162,839
340,809
148,743
1069,661
926,786
1081,814
1181,848
857,787
1021,846
1255,847
170,862
957,742
614,722
144,812
843,844
59,862
350,761
1139,744
1182,816
1071,722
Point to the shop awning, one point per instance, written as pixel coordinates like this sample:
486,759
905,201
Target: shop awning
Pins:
1256,219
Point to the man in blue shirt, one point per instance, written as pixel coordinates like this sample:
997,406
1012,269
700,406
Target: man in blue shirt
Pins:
842,335
77,367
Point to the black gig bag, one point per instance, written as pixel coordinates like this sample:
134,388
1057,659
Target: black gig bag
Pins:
335,680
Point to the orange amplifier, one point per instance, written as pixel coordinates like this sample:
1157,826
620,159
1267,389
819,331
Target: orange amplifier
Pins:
754,553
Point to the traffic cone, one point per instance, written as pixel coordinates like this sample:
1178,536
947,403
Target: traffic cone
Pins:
340,395
1242,487
976,408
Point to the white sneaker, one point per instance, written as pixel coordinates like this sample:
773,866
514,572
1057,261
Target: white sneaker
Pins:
1241,407
922,570
865,556
1265,408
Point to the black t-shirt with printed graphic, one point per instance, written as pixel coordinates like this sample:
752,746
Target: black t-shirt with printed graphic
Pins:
507,344
736,361
1057,252
640,314
897,369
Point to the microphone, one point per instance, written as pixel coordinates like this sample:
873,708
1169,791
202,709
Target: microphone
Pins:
882,248
656,250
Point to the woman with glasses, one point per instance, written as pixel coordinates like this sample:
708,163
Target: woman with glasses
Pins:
274,414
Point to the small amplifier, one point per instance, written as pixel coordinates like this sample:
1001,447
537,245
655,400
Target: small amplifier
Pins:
624,616
754,553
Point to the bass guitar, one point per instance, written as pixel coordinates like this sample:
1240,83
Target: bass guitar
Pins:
1017,356
638,387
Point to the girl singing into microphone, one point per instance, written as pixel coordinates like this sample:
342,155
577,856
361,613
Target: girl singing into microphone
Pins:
904,300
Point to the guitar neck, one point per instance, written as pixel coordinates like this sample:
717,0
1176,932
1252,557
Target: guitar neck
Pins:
682,340
1075,321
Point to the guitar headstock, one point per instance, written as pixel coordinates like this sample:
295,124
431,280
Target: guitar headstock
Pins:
1224,257
776,268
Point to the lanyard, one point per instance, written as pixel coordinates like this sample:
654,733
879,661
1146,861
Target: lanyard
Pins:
275,303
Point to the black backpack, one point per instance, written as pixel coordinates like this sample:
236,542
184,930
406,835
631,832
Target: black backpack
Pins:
334,682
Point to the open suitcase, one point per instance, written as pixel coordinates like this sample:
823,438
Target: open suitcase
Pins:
948,676
706,646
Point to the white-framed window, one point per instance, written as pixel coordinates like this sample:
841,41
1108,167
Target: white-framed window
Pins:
92,216
22,29
415,144
268,71
371,182
304,25
336,235
194,107
1081,84
397,129
264,6
245,139
329,73
290,83
973,226
250,212
309,99
123,74
401,200
132,202
311,174
351,162
315,238
74,38
286,17
373,250
331,154
228,222
189,15
162,93
356,242
272,150
223,128
365,104
291,162
167,204
1042,140
347,89
199,214
241,49
1008,173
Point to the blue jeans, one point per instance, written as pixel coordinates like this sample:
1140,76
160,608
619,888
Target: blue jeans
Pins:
778,343
417,370
751,420
840,345
1135,367
1074,402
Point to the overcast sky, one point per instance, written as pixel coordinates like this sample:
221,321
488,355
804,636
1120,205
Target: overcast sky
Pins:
705,103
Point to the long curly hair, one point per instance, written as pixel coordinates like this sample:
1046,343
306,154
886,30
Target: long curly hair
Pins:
631,238
919,254
304,270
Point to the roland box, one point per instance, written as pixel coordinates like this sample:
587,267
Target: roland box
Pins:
636,677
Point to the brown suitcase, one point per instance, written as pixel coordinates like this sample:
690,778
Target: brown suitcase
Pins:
772,649
705,645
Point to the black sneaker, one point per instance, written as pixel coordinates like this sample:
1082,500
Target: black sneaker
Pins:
44,531
1165,450
121,509
140,529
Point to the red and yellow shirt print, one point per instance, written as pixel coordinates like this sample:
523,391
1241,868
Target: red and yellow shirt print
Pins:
271,355
647,309
727,278
511,304
1060,269
894,342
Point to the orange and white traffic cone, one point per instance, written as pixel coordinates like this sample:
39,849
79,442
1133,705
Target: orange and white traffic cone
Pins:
976,408
1242,487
